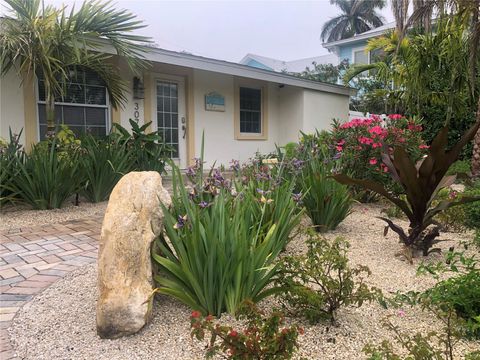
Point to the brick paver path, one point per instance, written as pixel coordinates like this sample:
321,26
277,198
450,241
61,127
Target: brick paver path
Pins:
31,259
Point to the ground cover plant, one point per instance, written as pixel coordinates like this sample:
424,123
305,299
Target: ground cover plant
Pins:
262,339
316,285
219,251
421,183
9,151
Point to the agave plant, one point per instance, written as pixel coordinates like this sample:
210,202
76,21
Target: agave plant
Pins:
421,182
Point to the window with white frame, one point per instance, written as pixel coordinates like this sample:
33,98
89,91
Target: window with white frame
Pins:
250,110
360,56
83,106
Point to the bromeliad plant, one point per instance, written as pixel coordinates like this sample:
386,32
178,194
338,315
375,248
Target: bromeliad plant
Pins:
421,182
216,251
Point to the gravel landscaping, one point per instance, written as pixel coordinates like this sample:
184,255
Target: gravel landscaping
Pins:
17,217
60,322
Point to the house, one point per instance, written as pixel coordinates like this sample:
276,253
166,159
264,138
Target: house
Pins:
353,48
240,109
294,66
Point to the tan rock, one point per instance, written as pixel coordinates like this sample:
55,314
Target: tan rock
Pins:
132,221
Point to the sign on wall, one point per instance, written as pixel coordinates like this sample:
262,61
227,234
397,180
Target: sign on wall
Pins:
214,102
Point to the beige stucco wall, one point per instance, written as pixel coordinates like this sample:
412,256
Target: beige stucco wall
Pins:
220,144
11,105
319,109
290,112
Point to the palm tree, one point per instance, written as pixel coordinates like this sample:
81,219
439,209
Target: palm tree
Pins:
357,17
49,43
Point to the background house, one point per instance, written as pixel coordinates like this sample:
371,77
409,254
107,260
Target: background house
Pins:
294,66
240,109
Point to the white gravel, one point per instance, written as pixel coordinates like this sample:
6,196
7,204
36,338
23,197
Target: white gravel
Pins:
60,322
17,217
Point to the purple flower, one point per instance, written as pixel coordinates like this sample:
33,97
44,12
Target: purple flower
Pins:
297,164
235,165
297,198
191,172
203,204
180,222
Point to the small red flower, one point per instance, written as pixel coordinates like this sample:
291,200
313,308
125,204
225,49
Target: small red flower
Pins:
209,318
423,146
373,161
233,333
196,314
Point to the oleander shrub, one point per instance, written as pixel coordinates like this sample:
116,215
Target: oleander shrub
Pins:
326,201
359,144
101,165
316,285
264,337
45,179
220,244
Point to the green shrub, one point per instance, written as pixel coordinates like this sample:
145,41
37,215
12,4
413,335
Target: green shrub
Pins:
148,150
44,179
326,201
262,338
101,165
9,151
216,251
316,285
454,217
472,210
460,167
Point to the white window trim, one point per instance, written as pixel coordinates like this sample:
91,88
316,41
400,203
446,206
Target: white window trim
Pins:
108,123
360,48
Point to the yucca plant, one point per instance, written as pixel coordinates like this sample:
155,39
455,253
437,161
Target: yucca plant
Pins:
44,180
102,164
213,256
421,183
327,202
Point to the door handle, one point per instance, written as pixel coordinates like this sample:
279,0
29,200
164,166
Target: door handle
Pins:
184,127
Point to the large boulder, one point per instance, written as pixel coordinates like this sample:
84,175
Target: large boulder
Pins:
132,221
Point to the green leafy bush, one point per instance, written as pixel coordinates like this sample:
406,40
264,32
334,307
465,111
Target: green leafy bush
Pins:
326,201
9,151
148,149
472,210
316,285
216,251
454,217
101,165
44,179
460,167
262,338
421,183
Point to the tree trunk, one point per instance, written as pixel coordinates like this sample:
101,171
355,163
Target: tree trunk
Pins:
50,113
476,149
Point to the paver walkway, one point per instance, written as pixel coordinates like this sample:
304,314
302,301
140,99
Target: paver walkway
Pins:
31,259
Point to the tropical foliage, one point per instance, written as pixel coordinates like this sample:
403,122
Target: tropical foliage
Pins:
357,17
49,43
223,241
421,183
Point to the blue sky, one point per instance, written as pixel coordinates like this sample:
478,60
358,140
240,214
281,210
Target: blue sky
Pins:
228,30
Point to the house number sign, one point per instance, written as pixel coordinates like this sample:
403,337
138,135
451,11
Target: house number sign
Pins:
136,111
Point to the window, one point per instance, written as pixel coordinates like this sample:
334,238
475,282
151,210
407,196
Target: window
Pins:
83,107
167,114
250,111
360,56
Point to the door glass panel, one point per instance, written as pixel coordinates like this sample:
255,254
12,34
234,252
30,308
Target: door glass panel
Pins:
167,114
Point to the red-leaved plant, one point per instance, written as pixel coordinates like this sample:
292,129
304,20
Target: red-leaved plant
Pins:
263,338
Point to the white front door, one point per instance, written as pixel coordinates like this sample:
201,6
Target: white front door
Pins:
171,116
